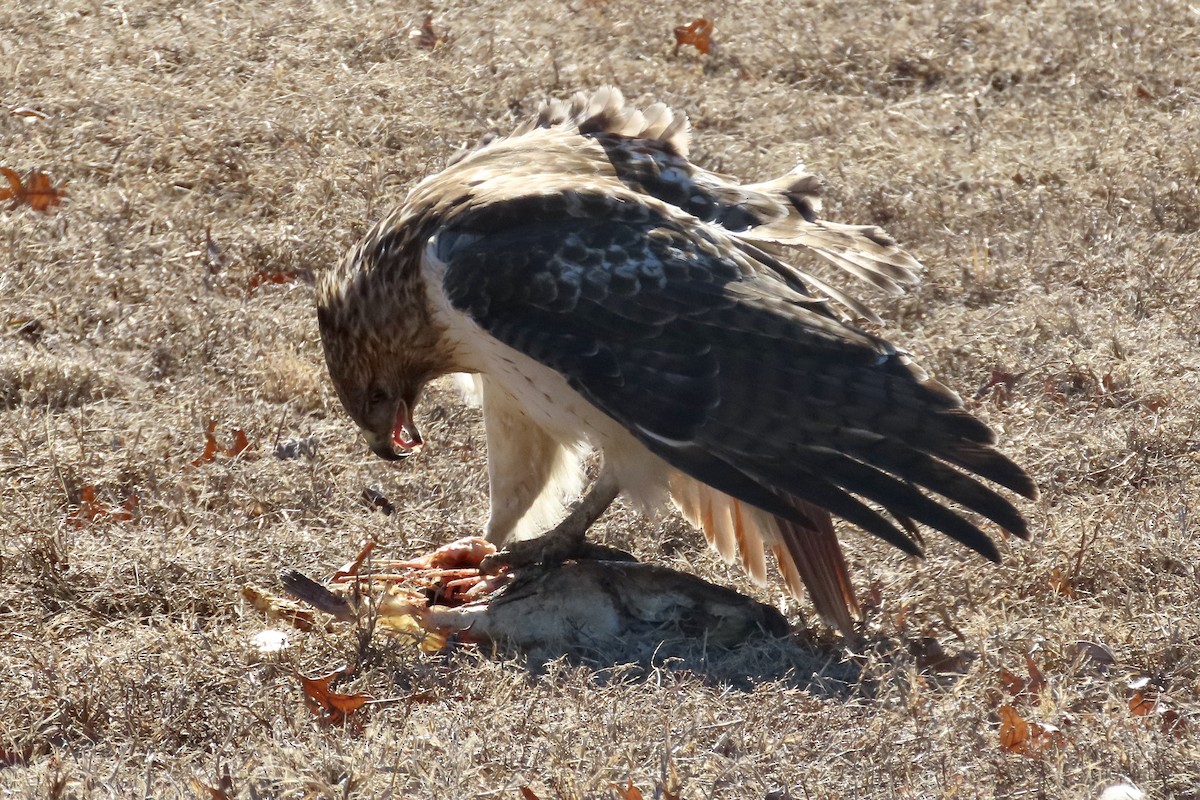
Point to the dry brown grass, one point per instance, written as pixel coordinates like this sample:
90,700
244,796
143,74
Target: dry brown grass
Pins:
1042,159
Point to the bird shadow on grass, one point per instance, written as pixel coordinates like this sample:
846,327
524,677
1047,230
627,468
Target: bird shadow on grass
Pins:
764,659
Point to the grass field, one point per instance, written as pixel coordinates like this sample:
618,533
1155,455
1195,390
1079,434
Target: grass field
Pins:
1040,158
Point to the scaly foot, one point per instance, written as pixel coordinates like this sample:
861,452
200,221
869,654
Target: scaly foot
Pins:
550,549
566,541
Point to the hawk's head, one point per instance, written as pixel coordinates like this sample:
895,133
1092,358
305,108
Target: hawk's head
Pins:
380,349
377,386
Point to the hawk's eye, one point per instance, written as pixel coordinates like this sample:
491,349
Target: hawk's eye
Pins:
376,397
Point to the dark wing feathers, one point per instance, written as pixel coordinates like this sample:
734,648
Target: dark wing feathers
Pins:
723,365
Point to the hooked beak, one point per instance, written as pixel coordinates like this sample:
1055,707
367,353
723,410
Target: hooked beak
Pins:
403,433
382,447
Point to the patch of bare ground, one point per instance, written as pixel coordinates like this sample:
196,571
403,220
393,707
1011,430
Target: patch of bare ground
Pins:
1041,159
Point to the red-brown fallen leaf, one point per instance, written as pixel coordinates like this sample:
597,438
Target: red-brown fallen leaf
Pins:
1060,583
274,276
36,190
241,443
222,791
1030,739
11,756
1024,688
1013,683
210,444
1143,703
1154,403
91,510
1037,681
901,618
527,793
1147,702
873,599
331,708
1173,724
1000,385
628,791
426,36
674,787
698,33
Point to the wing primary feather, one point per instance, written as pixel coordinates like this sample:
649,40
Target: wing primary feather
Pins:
821,493
882,488
921,468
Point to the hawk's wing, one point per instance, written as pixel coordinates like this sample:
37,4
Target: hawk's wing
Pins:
728,373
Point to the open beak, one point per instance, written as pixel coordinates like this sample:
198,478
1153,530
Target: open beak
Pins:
382,447
400,442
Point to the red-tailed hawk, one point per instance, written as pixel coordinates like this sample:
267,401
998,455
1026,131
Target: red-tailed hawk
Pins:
609,294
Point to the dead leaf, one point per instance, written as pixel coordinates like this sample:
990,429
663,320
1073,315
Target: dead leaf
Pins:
629,791
426,36
1013,684
901,618
222,791
212,449
37,191
240,443
15,188
873,599
999,385
1146,702
1030,739
1173,724
263,277
210,445
13,756
1143,703
29,113
331,708
1026,689
1154,403
697,33
1060,583
90,509
1037,681
932,657
527,793
672,788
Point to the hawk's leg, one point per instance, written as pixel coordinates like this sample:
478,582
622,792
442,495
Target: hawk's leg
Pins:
568,539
